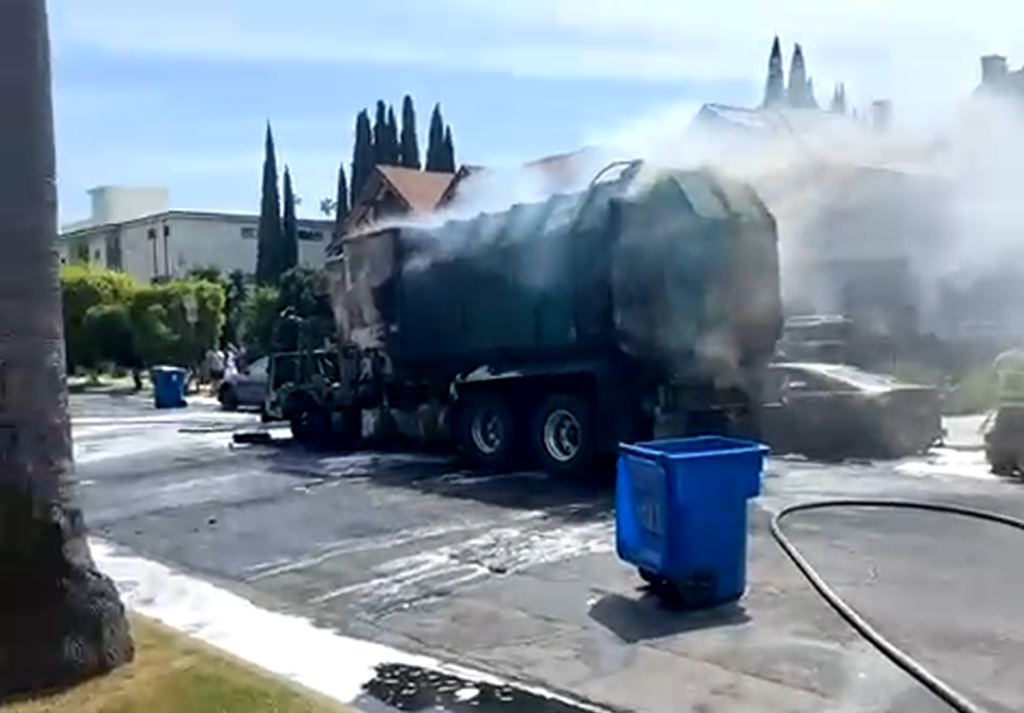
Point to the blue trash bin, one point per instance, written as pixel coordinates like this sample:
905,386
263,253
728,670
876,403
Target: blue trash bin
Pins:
169,386
681,514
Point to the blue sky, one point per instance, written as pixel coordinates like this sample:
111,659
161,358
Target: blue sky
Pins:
176,92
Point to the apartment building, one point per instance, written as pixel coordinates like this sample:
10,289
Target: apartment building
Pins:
132,229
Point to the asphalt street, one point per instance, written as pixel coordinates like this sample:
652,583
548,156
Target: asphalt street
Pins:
517,574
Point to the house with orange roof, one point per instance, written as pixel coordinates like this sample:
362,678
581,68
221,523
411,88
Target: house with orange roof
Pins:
393,191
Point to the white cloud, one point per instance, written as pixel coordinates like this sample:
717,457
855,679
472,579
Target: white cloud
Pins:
877,46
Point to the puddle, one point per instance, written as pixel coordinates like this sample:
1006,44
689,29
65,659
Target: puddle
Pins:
410,689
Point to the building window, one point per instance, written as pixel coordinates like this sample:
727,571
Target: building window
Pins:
248,232
313,236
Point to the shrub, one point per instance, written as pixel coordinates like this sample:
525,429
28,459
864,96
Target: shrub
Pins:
82,288
259,318
108,337
161,321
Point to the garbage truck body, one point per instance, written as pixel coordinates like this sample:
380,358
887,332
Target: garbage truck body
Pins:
646,305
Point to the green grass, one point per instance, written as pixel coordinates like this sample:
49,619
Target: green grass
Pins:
174,674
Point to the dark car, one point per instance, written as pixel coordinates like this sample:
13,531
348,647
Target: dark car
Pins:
832,411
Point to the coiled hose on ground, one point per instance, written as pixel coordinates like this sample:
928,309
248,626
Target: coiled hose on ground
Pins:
904,661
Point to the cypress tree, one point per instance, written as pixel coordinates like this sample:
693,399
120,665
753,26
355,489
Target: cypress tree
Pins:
289,228
448,155
380,133
363,159
812,100
391,135
775,85
268,231
409,147
341,204
435,141
838,105
797,91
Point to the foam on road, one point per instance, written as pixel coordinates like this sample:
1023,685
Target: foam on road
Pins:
516,573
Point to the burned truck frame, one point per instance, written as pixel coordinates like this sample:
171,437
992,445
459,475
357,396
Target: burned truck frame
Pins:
647,304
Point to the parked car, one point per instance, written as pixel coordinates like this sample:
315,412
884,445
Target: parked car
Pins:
246,388
831,411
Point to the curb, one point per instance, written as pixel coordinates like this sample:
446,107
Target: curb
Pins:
378,677
964,447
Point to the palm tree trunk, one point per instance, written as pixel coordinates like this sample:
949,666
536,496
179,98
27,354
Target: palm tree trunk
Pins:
61,621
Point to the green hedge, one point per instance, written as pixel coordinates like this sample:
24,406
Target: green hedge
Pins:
110,320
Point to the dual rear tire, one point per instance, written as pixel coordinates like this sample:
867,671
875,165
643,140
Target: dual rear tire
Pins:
556,435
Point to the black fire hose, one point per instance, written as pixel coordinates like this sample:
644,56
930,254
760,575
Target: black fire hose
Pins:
904,661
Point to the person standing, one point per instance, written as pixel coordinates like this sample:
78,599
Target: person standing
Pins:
1004,442
215,367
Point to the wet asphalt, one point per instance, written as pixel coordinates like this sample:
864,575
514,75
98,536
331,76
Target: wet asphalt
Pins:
517,574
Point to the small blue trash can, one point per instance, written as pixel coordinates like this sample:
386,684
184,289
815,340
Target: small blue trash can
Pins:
169,386
681,514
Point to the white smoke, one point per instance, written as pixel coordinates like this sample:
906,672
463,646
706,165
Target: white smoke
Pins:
935,192
940,194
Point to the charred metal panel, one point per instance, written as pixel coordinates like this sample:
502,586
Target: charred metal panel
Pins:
676,269
361,281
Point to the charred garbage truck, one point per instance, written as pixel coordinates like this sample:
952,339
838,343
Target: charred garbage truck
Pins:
644,306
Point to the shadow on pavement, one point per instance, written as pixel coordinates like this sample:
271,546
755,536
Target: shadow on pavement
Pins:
648,617
441,475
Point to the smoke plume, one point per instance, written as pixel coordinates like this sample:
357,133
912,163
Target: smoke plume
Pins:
940,197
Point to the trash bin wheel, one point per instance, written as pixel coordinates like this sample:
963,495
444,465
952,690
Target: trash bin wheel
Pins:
693,592
650,577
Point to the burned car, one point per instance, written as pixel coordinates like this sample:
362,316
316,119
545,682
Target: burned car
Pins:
832,411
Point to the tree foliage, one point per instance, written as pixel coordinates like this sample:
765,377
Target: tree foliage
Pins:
289,257
112,320
362,155
435,141
109,337
341,202
409,146
302,293
268,231
83,289
775,84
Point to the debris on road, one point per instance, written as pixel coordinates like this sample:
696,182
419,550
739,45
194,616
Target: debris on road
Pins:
252,437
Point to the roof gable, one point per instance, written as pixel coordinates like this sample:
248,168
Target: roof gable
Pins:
418,191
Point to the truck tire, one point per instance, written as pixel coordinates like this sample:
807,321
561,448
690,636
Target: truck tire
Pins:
301,426
487,432
227,397
311,426
562,435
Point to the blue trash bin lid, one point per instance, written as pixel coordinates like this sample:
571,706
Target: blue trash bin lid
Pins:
167,369
676,449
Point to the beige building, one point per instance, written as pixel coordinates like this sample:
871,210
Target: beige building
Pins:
133,230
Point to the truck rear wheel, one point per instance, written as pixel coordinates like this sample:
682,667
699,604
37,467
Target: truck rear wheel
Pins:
487,431
311,426
562,435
